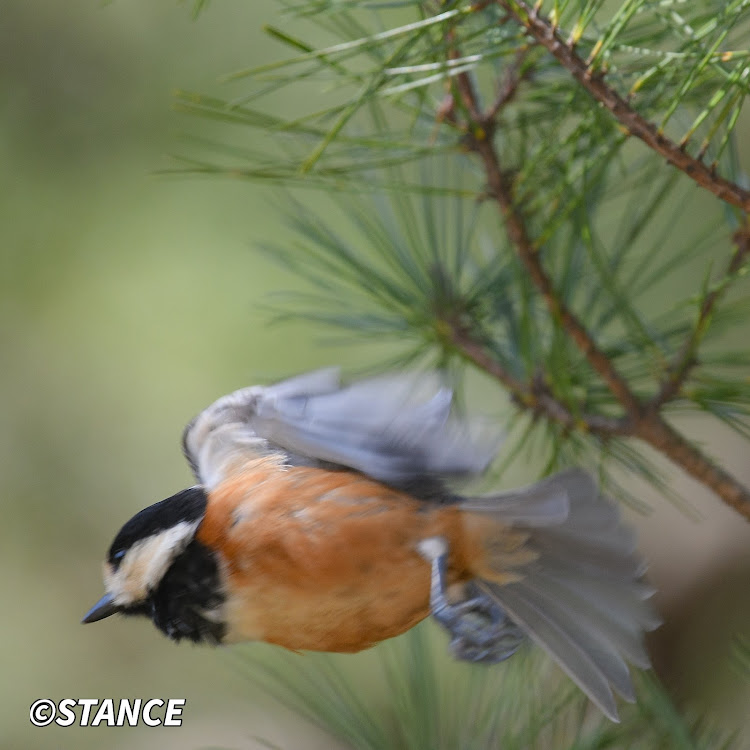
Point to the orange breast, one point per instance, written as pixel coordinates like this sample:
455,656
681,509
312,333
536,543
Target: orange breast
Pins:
324,560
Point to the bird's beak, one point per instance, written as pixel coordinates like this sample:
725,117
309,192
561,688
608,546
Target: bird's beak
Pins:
103,608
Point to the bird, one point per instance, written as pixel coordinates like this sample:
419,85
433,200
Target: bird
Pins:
327,516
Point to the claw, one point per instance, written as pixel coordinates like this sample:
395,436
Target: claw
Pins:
480,629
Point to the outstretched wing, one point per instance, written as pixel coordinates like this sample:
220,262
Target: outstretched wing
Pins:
394,428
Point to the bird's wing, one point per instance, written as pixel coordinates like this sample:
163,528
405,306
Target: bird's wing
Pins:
394,428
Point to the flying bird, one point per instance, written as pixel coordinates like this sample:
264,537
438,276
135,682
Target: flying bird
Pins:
325,518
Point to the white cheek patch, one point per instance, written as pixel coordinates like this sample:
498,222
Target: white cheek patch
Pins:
146,562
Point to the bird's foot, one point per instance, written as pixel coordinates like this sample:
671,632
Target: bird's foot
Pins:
479,628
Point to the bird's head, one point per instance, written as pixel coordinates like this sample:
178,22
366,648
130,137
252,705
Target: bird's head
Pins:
157,568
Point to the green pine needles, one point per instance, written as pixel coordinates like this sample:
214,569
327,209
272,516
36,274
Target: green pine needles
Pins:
408,694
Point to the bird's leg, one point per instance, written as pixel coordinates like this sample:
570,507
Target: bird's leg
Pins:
480,629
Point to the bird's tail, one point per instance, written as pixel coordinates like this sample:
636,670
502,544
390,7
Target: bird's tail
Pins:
564,567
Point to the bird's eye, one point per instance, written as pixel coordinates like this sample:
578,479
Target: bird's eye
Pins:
117,556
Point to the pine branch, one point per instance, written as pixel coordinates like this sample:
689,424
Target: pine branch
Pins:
534,396
545,33
508,88
500,188
686,360
653,429
640,421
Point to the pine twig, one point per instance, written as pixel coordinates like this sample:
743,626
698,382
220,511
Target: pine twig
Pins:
535,396
659,434
544,32
479,140
508,88
686,360
500,189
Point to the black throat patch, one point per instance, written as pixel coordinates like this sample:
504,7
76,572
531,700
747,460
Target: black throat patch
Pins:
187,603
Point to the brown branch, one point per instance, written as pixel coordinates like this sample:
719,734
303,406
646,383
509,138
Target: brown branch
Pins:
546,34
507,90
479,140
648,426
535,396
685,360
651,427
659,434
500,189
639,421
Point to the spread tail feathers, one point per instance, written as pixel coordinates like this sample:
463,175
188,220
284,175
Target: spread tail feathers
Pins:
575,588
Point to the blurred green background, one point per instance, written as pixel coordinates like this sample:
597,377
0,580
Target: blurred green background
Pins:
128,303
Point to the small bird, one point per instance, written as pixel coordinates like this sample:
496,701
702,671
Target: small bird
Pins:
324,519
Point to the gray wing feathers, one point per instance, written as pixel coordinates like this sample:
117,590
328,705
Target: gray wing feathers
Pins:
393,428
580,599
381,427
224,431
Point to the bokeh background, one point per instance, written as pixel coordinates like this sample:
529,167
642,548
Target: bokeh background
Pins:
129,301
